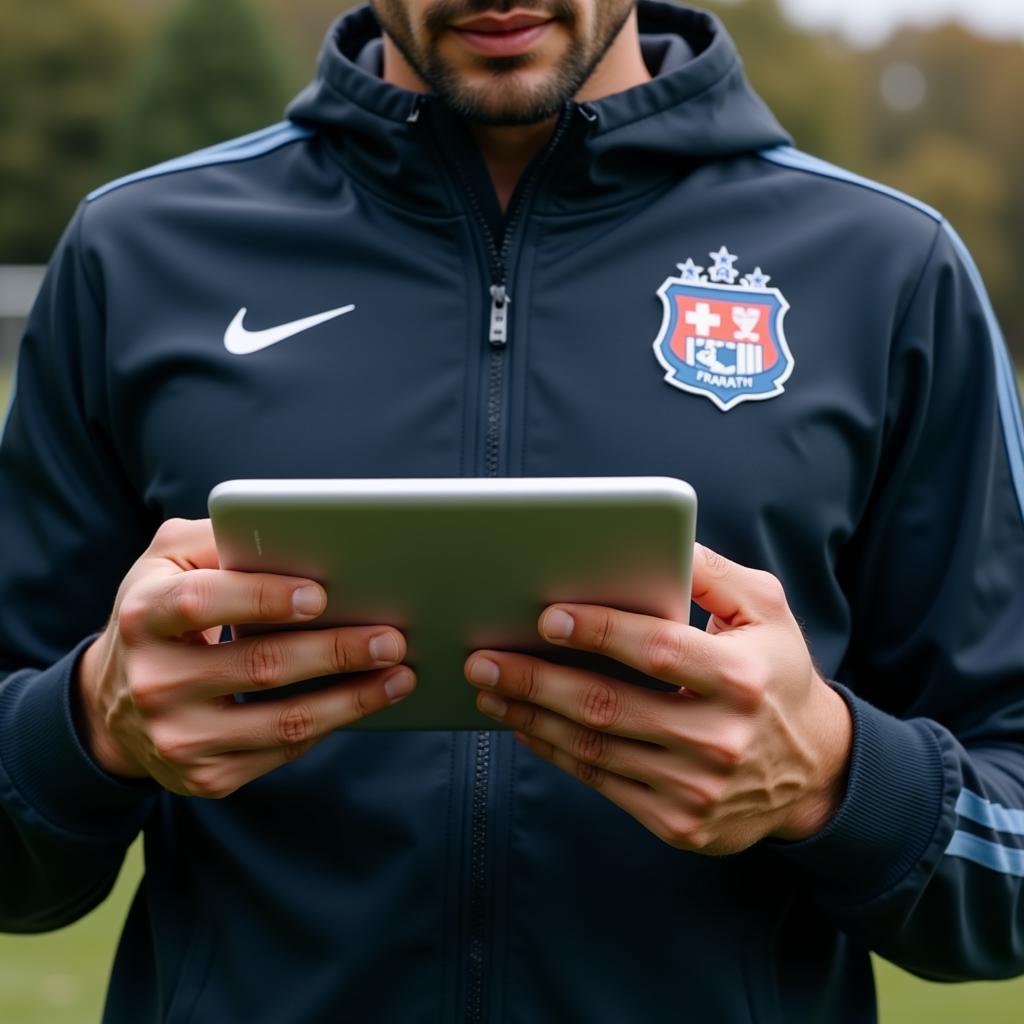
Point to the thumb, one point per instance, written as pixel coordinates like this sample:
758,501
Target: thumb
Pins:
187,543
723,588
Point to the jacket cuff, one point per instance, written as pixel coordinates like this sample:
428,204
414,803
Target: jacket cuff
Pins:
895,794
46,763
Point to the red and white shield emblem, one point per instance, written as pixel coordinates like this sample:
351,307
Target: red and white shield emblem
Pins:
721,339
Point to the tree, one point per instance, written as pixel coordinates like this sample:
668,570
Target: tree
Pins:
814,84
959,149
302,24
215,72
62,62
952,145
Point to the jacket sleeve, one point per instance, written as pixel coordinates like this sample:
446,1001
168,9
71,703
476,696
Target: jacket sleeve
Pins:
71,526
924,861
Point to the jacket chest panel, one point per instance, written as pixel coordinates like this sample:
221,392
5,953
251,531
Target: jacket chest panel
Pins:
375,389
590,398
597,400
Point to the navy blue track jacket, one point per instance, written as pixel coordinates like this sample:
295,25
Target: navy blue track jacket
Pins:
685,295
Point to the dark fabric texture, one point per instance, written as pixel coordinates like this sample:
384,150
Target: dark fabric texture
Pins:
878,485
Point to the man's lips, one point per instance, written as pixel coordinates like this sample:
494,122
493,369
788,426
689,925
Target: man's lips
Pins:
496,35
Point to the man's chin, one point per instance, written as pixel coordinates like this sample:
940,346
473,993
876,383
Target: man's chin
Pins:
504,103
509,117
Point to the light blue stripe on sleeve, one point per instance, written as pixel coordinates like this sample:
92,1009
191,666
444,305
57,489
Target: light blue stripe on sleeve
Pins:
994,816
787,156
245,148
1003,859
1006,380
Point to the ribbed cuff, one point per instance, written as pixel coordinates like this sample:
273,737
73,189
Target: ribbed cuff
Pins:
48,766
888,818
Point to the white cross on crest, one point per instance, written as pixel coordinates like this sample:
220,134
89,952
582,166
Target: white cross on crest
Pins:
703,319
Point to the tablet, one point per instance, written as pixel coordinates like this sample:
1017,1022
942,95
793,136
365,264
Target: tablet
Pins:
463,564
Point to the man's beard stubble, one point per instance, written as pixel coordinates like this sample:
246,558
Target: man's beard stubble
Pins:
502,101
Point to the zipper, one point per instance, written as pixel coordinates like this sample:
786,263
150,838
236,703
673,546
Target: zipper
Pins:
497,340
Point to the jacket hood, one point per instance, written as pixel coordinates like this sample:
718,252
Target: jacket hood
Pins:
697,107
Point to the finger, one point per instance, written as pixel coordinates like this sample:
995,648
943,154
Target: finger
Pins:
293,724
631,759
633,797
278,659
669,651
734,594
586,698
671,822
189,543
193,601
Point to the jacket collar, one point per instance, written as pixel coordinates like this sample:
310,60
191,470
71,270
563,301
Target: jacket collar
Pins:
697,108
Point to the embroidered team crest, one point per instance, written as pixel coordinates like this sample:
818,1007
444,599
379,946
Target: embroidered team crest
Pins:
721,339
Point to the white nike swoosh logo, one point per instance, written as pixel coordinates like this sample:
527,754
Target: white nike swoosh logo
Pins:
240,342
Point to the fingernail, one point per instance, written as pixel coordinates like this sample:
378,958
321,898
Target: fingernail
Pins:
558,625
485,672
491,704
384,648
308,601
399,685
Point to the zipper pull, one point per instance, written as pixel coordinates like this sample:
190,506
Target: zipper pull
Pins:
500,299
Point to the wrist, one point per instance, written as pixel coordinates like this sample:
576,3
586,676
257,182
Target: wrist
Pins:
832,727
90,718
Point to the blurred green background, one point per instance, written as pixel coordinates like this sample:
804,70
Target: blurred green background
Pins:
60,978
91,89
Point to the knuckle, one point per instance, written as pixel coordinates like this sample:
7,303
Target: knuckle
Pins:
189,598
532,680
131,617
589,774
602,630
770,591
681,832
266,604
717,564
703,798
747,680
263,662
171,746
341,656
729,753
170,532
589,747
147,695
208,783
726,749
362,703
293,751
529,718
600,706
697,840
295,724
663,654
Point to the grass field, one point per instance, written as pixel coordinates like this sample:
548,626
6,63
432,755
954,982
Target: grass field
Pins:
60,978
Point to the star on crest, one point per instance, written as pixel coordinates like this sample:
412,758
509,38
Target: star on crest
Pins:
758,279
723,269
689,271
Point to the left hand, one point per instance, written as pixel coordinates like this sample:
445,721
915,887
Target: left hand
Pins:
754,744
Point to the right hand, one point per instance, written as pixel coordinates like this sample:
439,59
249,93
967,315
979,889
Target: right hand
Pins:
154,690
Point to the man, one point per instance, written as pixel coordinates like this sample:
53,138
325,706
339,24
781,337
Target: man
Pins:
453,259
